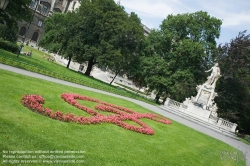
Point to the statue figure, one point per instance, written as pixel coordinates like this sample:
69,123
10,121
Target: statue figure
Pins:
187,101
214,109
215,75
192,99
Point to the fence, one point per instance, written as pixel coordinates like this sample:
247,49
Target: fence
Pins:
226,124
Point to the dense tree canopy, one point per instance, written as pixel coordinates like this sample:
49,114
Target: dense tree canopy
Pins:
126,46
61,36
234,86
99,32
175,57
17,10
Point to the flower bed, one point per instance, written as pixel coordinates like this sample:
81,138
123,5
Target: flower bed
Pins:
121,114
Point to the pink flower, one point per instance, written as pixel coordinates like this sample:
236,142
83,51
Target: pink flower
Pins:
120,114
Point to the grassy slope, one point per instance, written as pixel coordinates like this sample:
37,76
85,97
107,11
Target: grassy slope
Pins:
38,61
245,141
105,144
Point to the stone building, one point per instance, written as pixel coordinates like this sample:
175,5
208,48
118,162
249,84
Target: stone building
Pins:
42,9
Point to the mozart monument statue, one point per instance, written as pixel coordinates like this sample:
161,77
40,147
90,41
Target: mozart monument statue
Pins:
203,103
215,75
203,106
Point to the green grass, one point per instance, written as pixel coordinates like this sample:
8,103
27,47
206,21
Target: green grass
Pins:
132,89
245,141
105,144
38,64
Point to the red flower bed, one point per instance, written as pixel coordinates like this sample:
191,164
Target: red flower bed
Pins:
35,103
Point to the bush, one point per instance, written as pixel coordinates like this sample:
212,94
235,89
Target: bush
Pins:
8,46
8,33
247,137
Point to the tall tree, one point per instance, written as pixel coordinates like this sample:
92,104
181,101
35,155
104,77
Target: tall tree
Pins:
176,55
109,34
125,46
234,86
61,35
99,32
14,12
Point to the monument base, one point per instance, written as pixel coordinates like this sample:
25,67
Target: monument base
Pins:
197,112
188,109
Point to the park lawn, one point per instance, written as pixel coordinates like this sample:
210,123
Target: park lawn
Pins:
37,60
105,144
245,141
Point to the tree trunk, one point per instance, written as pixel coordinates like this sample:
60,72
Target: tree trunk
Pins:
165,98
157,97
114,78
89,67
70,57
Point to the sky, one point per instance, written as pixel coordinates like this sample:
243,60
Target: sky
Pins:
235,14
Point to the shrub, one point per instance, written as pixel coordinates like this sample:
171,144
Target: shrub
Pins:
247,137
8,33
8,46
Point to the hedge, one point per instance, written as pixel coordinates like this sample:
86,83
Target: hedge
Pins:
8,46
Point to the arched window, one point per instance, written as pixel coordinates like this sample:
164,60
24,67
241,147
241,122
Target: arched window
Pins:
34,36
22,31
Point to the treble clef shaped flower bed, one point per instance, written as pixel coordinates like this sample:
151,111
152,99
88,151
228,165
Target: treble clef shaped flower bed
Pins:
121,114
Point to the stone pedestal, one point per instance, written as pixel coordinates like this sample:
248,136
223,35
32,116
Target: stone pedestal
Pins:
204,96
234,127
197,112
213,121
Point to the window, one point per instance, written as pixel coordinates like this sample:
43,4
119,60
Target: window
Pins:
39,8
32,4
22,31
44,10
40,23
34,36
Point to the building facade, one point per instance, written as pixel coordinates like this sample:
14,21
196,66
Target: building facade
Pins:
41,9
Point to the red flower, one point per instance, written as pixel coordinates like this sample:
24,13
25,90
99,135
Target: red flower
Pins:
35,102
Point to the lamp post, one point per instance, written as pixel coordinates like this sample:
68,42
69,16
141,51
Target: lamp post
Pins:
23,38
3,5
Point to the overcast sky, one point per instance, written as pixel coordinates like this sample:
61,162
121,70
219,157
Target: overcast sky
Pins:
235,14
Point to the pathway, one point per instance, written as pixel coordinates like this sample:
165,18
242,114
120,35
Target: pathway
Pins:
235,143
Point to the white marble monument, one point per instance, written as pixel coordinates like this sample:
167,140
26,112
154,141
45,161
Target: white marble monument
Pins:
203,105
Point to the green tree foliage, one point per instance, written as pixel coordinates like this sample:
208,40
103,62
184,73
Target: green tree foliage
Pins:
9,34
234,86
61,35
54,29
17,10
110,36
125,44
175,57
99,32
